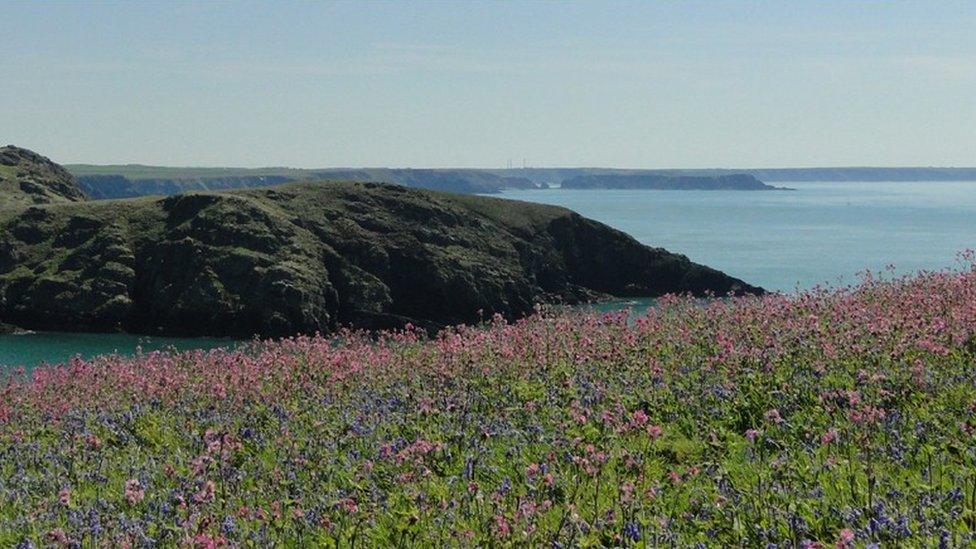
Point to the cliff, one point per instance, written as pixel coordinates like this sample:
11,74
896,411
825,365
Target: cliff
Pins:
314,257
101,182
302,258
107,182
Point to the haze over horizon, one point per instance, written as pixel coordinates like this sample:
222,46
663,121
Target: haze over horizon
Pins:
633,85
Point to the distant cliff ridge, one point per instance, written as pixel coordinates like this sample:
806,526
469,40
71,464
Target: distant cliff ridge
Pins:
740,182
127,181
864,174
133,181
101,187
459,181
555,176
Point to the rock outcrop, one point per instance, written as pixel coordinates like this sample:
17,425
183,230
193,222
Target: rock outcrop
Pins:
28,178
305,258
315,257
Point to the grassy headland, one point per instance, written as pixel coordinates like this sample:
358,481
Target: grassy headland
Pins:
303,258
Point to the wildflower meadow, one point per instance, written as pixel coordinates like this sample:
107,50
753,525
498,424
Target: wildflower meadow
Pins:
830,417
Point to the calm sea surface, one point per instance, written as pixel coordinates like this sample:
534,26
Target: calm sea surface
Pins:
783,240
820,233
29,350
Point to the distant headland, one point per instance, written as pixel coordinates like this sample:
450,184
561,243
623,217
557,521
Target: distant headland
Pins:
132,180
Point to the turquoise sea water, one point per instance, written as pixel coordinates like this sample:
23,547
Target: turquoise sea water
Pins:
820,233
29,350
783,240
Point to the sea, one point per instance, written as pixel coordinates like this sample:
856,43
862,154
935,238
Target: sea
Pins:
820,233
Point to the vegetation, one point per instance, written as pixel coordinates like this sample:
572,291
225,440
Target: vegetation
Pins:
27,178
314,257
829,417
107,182
138,171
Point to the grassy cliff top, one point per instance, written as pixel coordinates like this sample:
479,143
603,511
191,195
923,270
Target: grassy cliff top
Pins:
28,178
314,257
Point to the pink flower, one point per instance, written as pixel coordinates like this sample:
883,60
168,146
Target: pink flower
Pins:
58,537
502,529
751,434
206,493
627,491
134,493
638,419
654,431
349,505
828,437
845,538
203,541
772,416
64,497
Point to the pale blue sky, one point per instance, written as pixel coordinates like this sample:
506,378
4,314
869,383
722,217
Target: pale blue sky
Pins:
649,84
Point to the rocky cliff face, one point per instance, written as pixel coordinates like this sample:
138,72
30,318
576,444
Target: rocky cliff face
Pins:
304,258
28,178
104,187
314,257
115,185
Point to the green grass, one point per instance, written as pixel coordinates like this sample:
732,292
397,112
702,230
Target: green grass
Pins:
8,172
741,423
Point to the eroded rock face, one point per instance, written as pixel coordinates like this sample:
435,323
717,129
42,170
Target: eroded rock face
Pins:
307,258
28,178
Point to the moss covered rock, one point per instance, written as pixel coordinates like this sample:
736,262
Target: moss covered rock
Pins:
28,178
305,258
315,257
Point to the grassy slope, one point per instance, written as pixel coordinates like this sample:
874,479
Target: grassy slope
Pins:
301,258
740,423
10,194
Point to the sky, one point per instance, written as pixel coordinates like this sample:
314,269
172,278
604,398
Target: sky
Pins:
469,84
